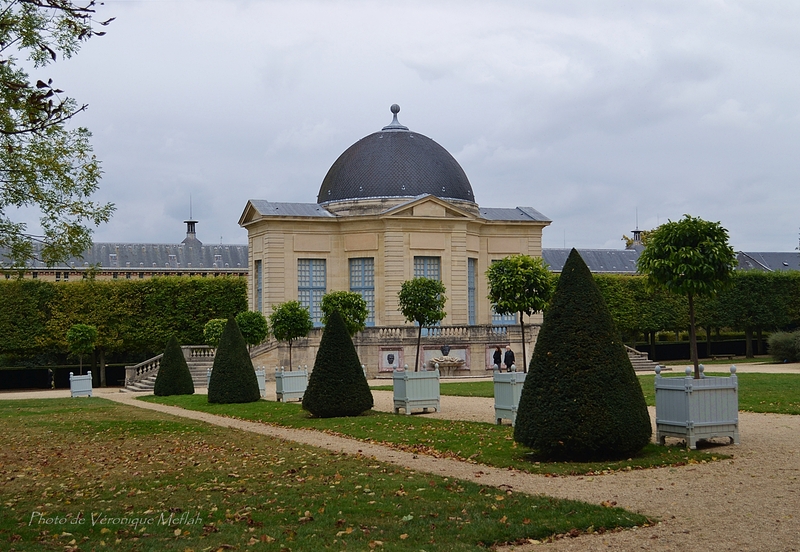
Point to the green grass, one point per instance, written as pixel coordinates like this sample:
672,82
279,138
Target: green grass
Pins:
765,393
90,474
483,443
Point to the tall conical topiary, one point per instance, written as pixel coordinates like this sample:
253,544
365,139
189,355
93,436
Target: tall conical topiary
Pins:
581,399
337,386
174,377
233,379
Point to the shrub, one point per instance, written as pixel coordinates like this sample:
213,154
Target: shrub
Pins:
785,346
253,326
337,386
350,305
581,399
174,377
233,378
212,331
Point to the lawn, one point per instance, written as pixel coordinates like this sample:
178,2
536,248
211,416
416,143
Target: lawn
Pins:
483,443
90,474
766,393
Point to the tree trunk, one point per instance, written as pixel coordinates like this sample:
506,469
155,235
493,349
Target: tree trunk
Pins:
651,340
760,341
419,340
524,358
290,355
708,341
102,368
748,337
693,338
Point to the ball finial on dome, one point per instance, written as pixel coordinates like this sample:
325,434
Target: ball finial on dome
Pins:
395,124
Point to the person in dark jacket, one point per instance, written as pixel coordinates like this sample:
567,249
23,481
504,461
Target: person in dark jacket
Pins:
497,357
509,358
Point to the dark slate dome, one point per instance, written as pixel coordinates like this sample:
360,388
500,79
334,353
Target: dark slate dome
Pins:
395,163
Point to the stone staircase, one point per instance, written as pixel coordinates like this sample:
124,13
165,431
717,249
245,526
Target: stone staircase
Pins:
640,360
141,378
198,367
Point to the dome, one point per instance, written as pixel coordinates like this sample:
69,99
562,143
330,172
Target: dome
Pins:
395,163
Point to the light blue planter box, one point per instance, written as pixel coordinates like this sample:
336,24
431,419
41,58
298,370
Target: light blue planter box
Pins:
261,376
80,386
290,385
416,390
507,391
697,409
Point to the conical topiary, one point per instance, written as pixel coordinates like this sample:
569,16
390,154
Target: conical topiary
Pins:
581,399
174,377
233,379
337,386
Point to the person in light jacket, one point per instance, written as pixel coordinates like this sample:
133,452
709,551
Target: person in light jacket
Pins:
508,360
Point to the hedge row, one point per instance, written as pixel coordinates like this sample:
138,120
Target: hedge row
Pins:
130,315
755,301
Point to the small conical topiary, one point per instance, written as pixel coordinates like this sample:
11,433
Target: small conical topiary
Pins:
581,399
337,386
233,379
174,377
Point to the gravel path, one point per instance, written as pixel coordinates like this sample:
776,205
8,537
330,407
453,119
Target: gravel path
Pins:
749,503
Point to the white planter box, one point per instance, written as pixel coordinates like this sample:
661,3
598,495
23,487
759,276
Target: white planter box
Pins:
507,390
80,386
261,376
416,390
697,409
290,385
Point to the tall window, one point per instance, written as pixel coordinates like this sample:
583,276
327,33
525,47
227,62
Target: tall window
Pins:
311,286
428,267
471,269
259,285
362,281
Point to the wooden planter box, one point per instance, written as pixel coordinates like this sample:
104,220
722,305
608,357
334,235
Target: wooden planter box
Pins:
507,390
261,376
80,386
697,409
416,390
290,385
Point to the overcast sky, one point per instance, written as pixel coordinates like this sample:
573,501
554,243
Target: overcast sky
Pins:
590,112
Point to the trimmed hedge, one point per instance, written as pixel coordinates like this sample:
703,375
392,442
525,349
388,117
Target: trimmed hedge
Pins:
337,385
174,377
135,316
233,378
581,399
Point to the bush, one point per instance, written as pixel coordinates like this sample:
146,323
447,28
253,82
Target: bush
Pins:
581,399
253,326
233,378
174,377
212,331
785,346
337,386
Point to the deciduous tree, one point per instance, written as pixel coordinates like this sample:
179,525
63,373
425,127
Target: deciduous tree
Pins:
520,284
350,305
290,321
44,165
689,257
422,301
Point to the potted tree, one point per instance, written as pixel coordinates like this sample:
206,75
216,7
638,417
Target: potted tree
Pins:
290,321
517,284
421,301
692,257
